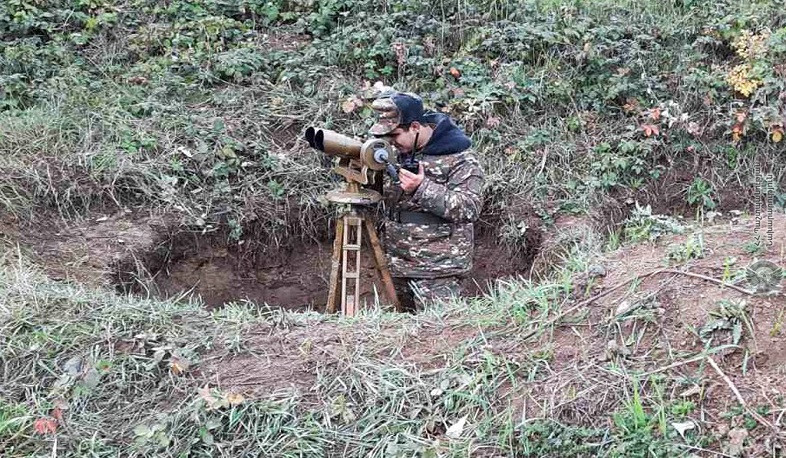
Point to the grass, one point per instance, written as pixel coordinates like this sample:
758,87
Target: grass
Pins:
129,376
212,135
120,375
200,117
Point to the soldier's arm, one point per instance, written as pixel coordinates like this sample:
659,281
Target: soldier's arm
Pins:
459,199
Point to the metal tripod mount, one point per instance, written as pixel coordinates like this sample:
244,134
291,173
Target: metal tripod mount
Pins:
359,164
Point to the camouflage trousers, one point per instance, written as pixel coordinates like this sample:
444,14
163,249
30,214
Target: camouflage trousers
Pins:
415,293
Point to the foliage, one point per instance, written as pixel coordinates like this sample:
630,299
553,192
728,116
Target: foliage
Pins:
552,439
728,316
643,225
73,354
700,192
181,105
196,108
692,248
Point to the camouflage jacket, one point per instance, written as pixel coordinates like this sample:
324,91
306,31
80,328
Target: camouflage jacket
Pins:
451,189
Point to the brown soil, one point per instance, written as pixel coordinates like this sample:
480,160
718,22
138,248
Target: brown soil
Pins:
298,278
86,251
586,361
151,255
580,378
287,360
285,41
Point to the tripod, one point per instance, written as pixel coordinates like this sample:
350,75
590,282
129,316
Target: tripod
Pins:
347,250
359,164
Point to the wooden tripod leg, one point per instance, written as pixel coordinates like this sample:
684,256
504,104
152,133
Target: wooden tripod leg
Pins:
335,265
382,265
350,265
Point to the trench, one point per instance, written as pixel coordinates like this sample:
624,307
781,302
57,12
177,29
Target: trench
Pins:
294,277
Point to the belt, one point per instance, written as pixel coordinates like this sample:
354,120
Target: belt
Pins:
418,218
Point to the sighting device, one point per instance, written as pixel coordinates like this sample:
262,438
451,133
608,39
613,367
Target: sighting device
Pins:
360,163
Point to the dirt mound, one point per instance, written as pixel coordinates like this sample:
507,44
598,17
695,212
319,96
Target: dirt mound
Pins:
290,358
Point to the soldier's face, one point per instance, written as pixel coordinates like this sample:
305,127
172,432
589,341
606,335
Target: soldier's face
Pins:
404,139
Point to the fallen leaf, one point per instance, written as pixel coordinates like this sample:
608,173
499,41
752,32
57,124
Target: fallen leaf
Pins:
692,391
624,307
455,72
351,104
61,404
777,135
137,80
736,132
90,379
694,129
142,430
650,129
205,394
492,122
235,398
736,439
227,153
455,431
73,366
179,364
45,426
682,427
655,114
213,401
631,105
57,414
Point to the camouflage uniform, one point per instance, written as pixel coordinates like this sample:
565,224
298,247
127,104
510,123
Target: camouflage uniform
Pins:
436,255
429,235
414,293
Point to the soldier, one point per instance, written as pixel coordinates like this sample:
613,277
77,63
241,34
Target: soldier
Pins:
429,234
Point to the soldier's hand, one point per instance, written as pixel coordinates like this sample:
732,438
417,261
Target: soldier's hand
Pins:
410,181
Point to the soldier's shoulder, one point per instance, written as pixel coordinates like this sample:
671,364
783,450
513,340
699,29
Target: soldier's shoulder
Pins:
468,157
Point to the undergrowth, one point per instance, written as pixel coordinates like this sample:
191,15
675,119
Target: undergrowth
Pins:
90,373
197,108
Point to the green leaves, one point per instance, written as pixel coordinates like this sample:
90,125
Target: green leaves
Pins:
729,316
624,164
151,433
701,194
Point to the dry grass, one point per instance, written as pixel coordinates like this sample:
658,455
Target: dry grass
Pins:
522,371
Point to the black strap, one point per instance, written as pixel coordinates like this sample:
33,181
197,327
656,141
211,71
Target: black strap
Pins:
418,218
